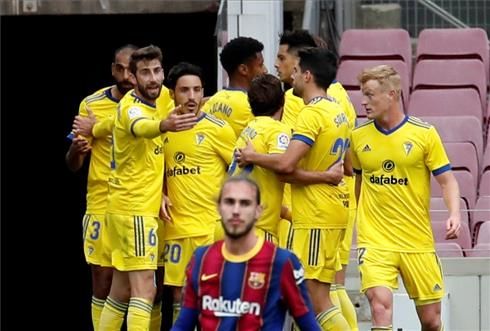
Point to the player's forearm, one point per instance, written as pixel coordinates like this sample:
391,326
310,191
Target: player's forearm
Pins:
146,128
103,128
274,162
74,160
305,177
450,194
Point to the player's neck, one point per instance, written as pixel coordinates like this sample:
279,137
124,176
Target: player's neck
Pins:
391,119
116,93
239,82
313,92
243,245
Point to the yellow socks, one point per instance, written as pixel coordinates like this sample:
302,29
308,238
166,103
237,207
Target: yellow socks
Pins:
382,328
139,313
156,317
333,295
97,306
332,320
112,316
347,307
176,312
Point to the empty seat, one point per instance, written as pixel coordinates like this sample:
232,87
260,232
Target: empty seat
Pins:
463,158
459,129
483,236
463,240
376,44
349,70
356,99
454,43
445,102
481,214
480,250
439,212
467,188
486,157
452,74
484,188
449,249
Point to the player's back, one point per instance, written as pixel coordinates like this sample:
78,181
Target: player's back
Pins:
135,184
268,136
323,125
196,161
230,105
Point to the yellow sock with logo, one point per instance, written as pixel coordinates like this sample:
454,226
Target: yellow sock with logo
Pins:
382,328
333,295
347,307
139,314
156,317
97,306
112,316
176,312
332,320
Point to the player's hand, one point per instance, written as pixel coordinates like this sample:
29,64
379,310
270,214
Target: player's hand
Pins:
83,124
453,226
244,155
335,173
164,209
176,121
80,145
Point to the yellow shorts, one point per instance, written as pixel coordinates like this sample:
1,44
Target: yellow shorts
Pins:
346,244
284,232
133,241
421,272
95,240
317,249
177,254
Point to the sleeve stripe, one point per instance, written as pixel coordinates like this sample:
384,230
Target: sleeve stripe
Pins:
441,170
134,122
304,139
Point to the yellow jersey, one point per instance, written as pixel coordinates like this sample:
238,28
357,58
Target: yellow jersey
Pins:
104,106
196,161
268,136
230,105
135,184
323,125
395,165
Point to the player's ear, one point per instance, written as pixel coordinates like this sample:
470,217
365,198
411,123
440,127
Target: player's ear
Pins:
258,211
132,79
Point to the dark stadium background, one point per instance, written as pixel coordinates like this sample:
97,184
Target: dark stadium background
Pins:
48,64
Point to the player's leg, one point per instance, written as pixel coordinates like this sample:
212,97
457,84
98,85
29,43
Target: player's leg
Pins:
156,312
379,276
423,278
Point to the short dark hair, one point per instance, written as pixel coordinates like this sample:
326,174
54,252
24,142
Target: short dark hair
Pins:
146,53
239,51
130,47
296,40
265,95
237,179
321,62
182,69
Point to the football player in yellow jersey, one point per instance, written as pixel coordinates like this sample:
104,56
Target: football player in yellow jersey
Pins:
135,193
287,56
319,211
242,60
394,156
103,103
195,167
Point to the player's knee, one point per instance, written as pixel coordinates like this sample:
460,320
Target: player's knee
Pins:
431,323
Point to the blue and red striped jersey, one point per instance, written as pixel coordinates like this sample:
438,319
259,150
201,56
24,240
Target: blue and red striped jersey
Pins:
250,292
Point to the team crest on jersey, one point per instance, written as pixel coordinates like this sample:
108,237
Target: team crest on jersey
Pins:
134,112
407,146
199,138
282,141
256,280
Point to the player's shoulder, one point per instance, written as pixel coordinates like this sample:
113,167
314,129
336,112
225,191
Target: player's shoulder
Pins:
98,95
363,126
418,123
